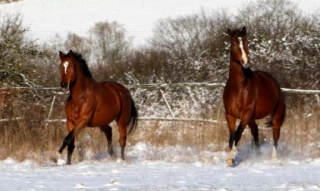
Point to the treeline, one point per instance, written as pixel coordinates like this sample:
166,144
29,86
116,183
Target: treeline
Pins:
190,48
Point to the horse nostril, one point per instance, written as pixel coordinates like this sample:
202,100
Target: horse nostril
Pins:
64,85
246,66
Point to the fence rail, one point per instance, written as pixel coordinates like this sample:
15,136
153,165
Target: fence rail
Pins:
60,91
162,85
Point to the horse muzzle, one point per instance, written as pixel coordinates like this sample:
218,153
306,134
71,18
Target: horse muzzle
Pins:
244,63
64,85
246,66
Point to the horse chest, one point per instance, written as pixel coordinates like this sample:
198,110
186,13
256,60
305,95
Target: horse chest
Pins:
74,109
236,99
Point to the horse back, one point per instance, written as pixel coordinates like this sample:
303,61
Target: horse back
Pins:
113,99
267,85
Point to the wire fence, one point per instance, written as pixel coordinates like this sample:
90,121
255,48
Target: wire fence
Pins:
56,91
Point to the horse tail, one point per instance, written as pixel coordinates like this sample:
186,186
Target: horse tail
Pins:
283,108
133,118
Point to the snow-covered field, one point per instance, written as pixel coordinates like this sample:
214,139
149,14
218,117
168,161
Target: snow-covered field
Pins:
140,173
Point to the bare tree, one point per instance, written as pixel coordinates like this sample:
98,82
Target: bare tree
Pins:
271,19
283,41
20,58
182,36
12,50
79,44
109,43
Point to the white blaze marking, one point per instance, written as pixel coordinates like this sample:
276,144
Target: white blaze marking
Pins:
65,65
244,55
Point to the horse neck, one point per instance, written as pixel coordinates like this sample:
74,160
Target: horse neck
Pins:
81,83
236,74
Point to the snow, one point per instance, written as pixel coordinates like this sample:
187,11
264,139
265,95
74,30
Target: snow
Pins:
171,173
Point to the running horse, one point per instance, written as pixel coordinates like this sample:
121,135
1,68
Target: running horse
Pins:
250,95
94,104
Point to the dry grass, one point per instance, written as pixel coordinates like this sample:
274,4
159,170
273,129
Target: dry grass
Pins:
30,138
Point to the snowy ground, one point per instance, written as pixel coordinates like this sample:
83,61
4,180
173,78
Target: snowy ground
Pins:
140,173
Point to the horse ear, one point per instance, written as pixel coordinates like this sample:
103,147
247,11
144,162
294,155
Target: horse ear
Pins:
70,52
244,30
61,55
229,32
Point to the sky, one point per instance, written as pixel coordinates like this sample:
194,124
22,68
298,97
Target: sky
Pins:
46,18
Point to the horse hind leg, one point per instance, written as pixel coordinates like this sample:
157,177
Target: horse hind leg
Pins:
122,138
123,122
70,151
107,130
68,141
276,136
255,132
277,121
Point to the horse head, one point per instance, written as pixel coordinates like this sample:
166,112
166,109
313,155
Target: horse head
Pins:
67,69
239,46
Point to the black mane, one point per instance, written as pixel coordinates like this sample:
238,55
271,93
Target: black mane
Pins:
237,32
83,64
247,72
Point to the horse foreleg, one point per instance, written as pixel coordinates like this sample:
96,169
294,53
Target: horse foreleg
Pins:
67,141
70,151
108,132
245,119
238,134
232,127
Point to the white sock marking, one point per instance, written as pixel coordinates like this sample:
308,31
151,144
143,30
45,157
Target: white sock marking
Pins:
274,153
233,152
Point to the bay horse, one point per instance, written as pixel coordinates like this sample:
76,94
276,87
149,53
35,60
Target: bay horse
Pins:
94,104
249,95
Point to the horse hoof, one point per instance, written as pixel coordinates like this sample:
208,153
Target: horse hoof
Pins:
231,162
110,152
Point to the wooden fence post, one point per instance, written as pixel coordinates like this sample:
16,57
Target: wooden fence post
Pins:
50,111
